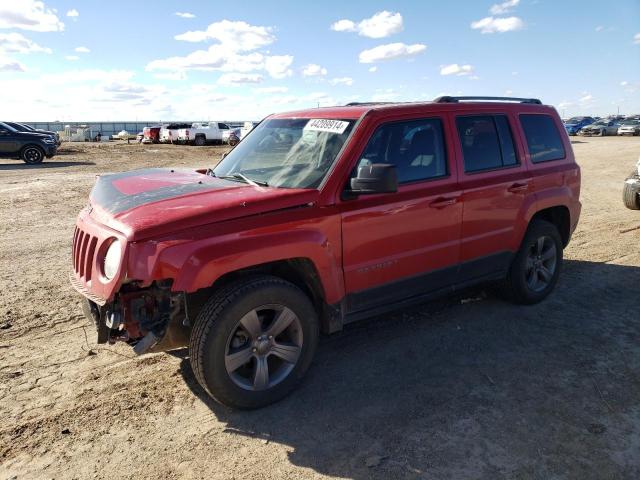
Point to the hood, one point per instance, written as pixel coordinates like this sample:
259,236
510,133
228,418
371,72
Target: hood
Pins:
37,134
152,202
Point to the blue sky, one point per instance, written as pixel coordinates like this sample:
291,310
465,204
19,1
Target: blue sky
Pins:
69,60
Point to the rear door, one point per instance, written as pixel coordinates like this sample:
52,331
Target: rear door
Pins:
8,141
404,244
496,187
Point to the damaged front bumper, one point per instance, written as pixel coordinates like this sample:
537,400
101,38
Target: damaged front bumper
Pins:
150,319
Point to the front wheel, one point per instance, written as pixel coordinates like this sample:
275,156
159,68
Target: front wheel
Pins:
536,267
253,341
631,192
32,155
199,141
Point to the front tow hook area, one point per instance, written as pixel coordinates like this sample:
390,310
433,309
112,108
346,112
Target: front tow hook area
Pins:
93,313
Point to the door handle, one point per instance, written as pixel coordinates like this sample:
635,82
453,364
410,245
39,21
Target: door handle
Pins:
442,202
518,187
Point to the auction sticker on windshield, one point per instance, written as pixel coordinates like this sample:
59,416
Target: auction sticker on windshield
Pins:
324,125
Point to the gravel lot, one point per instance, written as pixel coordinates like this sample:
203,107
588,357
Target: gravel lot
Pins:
466,387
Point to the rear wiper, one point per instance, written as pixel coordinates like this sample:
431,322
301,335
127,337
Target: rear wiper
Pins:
242,177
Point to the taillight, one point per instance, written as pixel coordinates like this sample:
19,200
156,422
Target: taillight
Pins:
187,133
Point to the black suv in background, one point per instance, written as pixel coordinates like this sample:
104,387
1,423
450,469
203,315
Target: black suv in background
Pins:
30,147
23,127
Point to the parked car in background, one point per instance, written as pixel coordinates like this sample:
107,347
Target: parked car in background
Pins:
23,127
574,124
202,133
151,134
234,137
631,189
319,218
629,127
601,128
169,131
30,147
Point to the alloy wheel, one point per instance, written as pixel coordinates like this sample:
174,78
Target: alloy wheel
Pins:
264,347
541,265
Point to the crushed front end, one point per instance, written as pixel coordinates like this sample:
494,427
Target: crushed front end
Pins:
147,316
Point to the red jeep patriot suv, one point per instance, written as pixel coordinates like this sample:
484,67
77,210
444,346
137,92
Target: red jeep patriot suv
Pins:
321,217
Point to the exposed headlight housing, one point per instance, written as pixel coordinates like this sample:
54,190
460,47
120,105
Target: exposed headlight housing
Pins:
112,259
48,140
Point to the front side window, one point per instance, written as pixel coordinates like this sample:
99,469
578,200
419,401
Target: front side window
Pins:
287,152
415,147
543,139
223,126
486,142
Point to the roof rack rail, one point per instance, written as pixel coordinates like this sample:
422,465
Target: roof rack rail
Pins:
361,104
448,99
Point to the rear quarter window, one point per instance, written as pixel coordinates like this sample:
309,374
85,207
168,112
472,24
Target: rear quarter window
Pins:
543,138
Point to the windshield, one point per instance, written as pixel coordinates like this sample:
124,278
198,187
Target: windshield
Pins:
631,122
288,153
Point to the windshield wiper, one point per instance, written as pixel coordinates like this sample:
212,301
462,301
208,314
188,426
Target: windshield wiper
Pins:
242,177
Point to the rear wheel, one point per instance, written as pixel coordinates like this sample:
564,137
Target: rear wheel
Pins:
536,267
630,195
199,141
32,154
253,341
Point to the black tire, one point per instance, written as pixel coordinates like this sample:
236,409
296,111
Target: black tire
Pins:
200,141
219,319
32,154
516,286
630,195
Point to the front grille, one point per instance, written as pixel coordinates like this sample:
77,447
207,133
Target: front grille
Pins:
82,252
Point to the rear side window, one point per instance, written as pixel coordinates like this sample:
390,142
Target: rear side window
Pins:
415,147
543,139
486,142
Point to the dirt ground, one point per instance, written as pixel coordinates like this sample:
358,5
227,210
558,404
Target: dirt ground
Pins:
469,387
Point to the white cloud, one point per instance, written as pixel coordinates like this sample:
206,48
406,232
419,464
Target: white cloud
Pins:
240,78
344,26
10,65
313,70
455,69
391,51
387,95
271,90
599,28
236,36
171,76
624,83
73,13
29,15
504,7
586,98
185,15
373,69
636,38
498,24
17,43
82,50
278,66
348,81
380,25
72,58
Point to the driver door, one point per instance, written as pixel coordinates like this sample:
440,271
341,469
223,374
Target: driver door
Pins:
8,142
405,244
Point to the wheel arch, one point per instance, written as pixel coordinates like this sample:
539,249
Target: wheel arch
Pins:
299,271
560,216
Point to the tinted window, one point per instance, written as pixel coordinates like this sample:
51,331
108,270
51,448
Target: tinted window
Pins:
416,148
223,126
480,143
543,139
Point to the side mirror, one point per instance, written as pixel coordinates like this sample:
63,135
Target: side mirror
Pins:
375,178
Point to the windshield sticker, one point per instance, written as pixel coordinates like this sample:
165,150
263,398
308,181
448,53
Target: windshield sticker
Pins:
324,125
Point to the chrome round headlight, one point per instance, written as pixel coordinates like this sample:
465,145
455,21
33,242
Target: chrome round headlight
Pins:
112,260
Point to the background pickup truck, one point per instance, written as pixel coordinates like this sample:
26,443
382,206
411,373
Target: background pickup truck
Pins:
203,133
